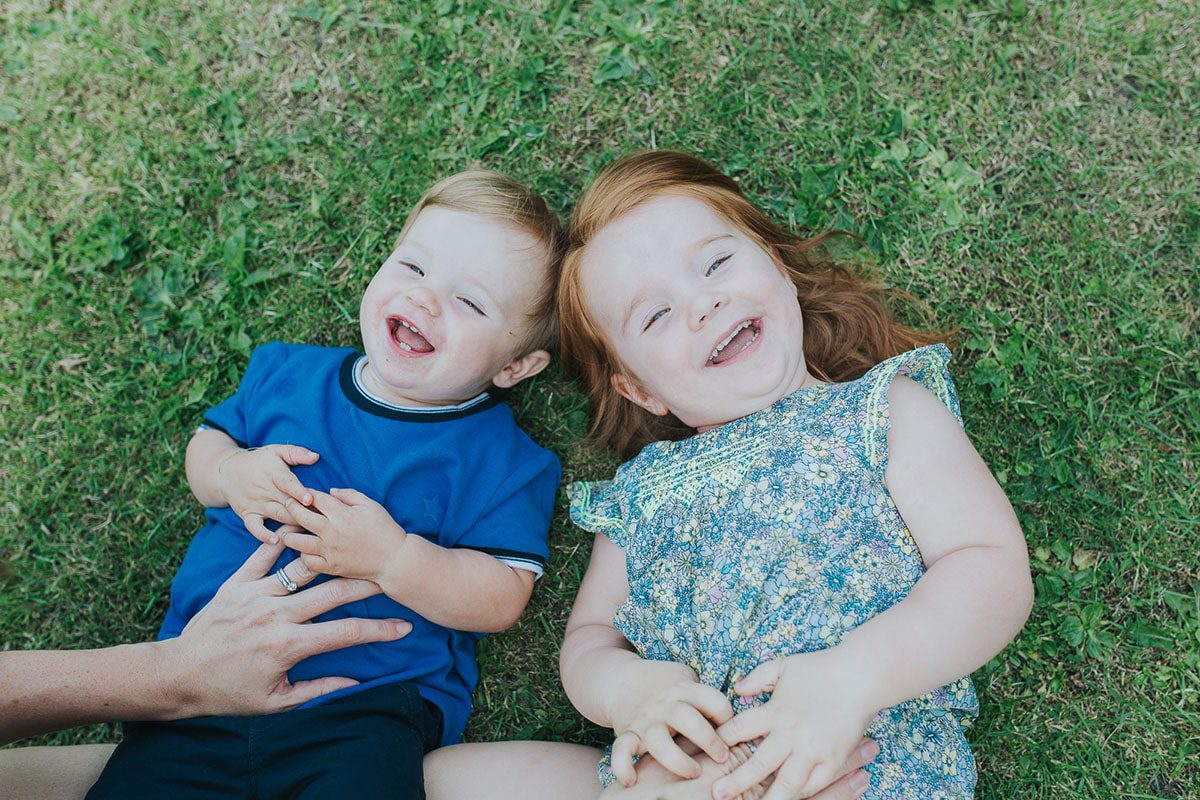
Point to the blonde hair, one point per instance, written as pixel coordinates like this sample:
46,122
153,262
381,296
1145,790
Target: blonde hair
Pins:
497,196
848,327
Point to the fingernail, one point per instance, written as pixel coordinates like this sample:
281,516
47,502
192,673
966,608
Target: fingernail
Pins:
869,750
723,756
694,774
403,628
274,539
860,782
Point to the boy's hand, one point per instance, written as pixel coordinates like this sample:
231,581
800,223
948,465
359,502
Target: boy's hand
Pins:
255,483
352,535
662,699
814,719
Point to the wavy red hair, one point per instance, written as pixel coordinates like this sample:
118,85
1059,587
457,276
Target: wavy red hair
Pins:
848,325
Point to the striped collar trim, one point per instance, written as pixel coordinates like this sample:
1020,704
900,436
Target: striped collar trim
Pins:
357,394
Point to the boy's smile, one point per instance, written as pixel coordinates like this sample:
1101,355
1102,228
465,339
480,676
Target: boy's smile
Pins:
448,310
408,339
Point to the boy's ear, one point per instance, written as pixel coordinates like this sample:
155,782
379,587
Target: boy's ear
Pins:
521,368
632,391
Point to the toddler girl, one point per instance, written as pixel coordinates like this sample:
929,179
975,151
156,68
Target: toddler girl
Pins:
805,545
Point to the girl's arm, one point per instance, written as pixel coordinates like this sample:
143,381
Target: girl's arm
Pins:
976,592
646,703
971,601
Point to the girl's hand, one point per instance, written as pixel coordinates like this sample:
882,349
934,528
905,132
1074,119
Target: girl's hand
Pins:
352,535
256,484
814,719
660,700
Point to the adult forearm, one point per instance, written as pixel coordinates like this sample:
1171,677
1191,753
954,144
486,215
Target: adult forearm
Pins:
463,589
47,690
961,613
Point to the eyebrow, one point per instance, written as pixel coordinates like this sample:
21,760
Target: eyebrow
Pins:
415,244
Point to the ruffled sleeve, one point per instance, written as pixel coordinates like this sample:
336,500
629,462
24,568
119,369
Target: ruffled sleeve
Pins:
601,507
928,366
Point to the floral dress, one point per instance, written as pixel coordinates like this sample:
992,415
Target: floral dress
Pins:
775,534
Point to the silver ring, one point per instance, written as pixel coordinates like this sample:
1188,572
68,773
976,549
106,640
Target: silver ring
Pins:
287,582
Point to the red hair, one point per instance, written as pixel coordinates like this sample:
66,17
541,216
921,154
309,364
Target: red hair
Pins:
848,327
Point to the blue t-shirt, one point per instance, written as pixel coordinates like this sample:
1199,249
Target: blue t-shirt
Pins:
459,476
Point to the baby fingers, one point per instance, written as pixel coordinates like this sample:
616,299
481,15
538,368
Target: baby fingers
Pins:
765,761
661,745
304,543
255,523
624,748
689,722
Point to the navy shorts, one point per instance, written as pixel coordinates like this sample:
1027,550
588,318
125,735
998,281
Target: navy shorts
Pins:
366,744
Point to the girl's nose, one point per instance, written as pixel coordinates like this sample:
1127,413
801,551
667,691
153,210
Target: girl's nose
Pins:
705,307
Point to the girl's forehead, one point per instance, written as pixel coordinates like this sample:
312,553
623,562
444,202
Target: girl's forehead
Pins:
667,225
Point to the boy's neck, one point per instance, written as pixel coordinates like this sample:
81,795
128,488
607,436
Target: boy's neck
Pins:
371,387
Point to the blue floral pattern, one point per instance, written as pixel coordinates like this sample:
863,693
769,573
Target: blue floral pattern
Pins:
775,534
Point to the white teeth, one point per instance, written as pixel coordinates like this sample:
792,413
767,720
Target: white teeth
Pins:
410,326
729,339
405,346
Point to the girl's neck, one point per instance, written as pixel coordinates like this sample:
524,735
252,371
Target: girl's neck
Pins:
807,381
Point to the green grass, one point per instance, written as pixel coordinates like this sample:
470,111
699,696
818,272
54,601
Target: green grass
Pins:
176,187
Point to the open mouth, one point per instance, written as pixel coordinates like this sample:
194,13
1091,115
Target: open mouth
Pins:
738,340
407,337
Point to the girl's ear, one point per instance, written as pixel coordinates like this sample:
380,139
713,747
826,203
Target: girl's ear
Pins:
632,391
521,368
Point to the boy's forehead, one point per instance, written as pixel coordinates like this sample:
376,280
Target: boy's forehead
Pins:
477,239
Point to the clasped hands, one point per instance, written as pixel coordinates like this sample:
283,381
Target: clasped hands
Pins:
342,532
807,731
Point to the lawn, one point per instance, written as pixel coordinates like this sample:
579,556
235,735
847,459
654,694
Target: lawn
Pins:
178,186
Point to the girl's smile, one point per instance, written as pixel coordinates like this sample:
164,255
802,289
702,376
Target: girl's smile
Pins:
741,340
706,325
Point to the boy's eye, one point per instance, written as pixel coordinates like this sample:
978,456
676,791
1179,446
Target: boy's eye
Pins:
473,307
716,265
654,318
414,268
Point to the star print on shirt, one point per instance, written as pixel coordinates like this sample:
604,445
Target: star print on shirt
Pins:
433,509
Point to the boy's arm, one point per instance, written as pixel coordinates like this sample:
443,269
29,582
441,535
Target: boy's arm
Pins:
463,589
254,482
459,588
206,451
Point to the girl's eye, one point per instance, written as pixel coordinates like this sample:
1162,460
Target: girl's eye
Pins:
716,265
414,268
473,307
653,319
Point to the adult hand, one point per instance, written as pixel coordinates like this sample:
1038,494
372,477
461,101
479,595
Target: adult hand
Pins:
233,656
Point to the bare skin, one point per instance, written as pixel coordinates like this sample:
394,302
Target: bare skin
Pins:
490,771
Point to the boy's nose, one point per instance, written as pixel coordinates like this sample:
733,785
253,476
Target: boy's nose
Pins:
425,300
